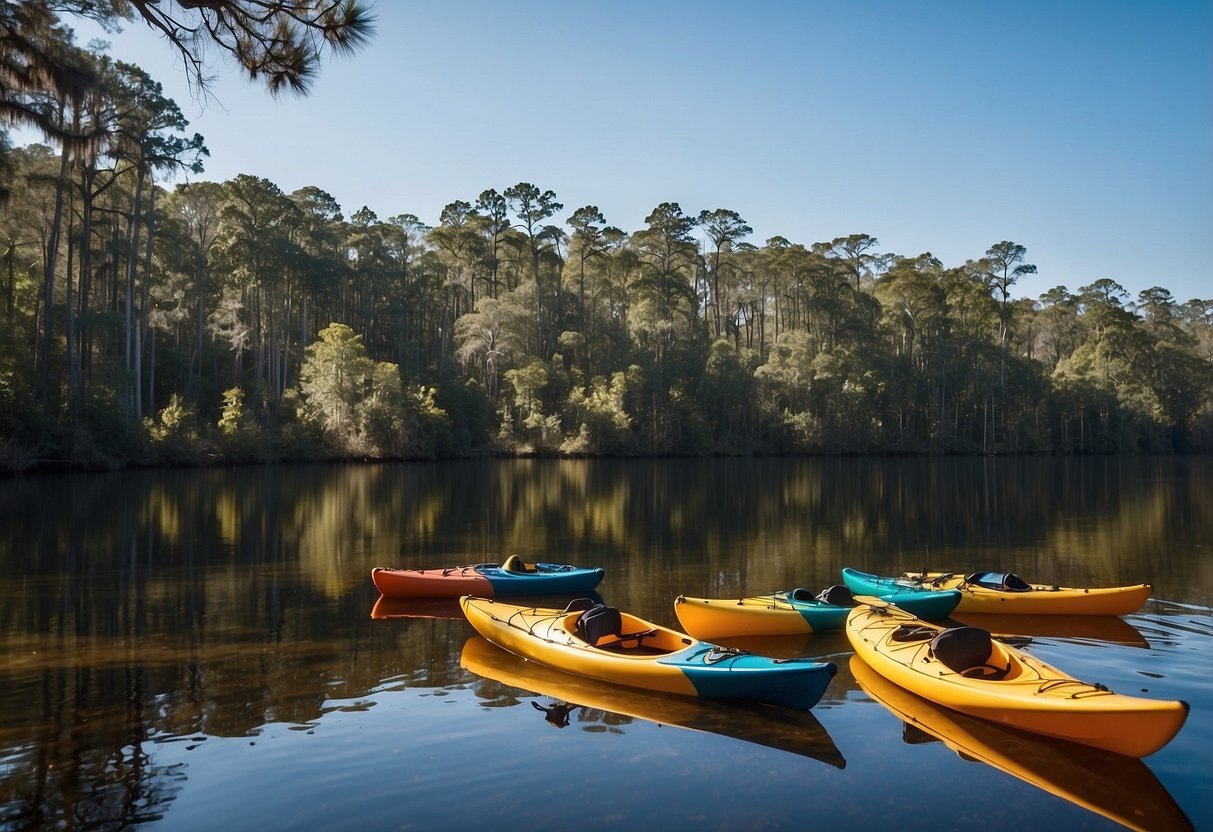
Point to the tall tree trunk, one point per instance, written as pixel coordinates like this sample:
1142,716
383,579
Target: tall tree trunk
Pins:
540,329
73,377
195,370
151,370
144,322
581,291
75,334
42,362
130,359
10,294
716,301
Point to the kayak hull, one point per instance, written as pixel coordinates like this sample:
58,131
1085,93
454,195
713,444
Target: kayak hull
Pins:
766,615
1033,695
796,732
783,614
485,580
665,660
1040,599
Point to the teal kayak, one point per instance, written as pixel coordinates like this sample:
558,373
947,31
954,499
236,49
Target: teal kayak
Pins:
513,577
918,601
1005,593
792,612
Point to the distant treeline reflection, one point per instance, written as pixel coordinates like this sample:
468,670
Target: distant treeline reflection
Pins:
147,607
321,520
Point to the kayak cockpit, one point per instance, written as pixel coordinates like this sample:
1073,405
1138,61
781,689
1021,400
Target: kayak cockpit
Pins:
968,651
973,653
606,628
1000,581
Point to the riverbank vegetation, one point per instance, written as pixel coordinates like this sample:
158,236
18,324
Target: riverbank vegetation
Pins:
145,322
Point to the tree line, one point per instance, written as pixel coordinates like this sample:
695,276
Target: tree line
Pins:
231,321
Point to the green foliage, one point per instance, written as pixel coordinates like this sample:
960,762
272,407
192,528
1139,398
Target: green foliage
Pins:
239,440
235,418
784,380
173,434
362,406
729,387
381,415
799,432
604,426
467,424
530,427
400,422
279,44
288,331
335,378
490,339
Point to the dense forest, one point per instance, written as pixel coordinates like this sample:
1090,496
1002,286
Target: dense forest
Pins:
149,321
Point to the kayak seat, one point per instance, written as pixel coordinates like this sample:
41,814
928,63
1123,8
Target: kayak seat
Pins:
598,622
515,564
601,622
966,650
579,604
1003,581
800,594
837,596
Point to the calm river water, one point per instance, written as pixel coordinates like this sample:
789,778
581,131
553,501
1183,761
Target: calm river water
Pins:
195,650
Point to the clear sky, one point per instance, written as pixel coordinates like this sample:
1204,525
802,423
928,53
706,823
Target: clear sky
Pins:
1081,129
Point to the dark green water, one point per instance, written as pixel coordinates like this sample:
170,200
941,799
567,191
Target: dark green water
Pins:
195,650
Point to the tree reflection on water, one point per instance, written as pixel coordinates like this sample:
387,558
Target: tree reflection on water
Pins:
151,607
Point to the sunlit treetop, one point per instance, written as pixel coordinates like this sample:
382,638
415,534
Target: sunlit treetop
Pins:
279,43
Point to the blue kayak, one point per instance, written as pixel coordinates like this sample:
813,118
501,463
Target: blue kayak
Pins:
513,577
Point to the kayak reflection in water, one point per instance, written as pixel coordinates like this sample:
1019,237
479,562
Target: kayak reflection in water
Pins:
557,713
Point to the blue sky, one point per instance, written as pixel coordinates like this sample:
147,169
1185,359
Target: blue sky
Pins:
1082,130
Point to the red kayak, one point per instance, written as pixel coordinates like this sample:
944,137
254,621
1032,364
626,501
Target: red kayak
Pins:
514,577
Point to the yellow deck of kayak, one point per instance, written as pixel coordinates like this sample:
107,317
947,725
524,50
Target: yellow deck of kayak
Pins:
547,636
1033,695
1041,599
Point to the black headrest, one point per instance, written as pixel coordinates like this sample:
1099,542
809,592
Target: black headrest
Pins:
838,596
598,621
1005,581
960,648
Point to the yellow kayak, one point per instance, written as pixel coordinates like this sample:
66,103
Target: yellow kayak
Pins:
760,615
792,612
964,669
796,732
1005,593
1117,787
603,643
